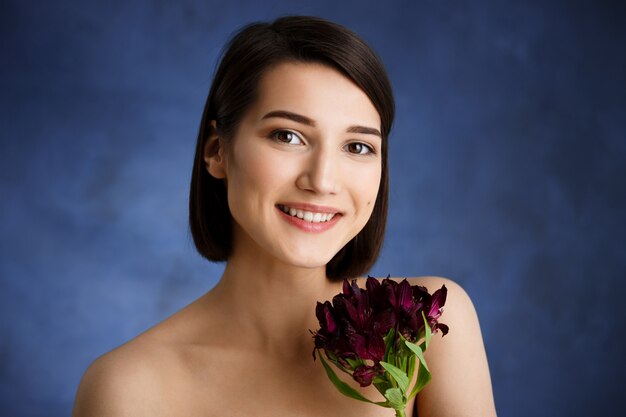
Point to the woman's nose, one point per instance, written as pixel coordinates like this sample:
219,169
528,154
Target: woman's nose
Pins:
320,173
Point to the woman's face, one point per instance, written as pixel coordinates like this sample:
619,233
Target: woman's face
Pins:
304,166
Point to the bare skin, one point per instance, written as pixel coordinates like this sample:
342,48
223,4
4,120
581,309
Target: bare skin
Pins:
244,348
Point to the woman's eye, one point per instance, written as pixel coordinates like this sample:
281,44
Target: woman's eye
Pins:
287,136
359,148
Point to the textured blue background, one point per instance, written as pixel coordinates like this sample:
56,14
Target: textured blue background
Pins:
508,163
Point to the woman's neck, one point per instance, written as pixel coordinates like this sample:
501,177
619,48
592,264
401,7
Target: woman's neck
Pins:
271,305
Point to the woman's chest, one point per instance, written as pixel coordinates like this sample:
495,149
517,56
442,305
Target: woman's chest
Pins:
265,388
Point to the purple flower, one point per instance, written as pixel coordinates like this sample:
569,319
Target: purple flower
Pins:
406,304
364,374
432,305
354,326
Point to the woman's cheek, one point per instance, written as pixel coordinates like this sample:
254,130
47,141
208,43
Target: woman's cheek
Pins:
370,183
256,167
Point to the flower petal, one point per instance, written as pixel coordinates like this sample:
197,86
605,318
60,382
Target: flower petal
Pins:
372,284
346,288
331,325
437,302
405,294
383,321
444,328
364,375
357,341
376,348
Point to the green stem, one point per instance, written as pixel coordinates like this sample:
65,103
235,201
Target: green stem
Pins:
400,413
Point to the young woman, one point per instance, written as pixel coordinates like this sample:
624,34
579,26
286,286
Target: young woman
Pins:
289,187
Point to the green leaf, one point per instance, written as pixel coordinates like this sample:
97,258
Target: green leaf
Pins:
381,384
403,363
397,374
427,330
355,363
332,358
395,398
418,352
411,367
423,373
423,378
389,341
344,388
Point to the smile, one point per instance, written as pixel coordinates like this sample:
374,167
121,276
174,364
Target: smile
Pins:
307,216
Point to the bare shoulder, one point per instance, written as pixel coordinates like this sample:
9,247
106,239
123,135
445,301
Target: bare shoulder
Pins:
123,382
153,374
461,382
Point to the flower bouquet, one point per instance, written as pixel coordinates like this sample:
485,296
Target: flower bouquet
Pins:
378,336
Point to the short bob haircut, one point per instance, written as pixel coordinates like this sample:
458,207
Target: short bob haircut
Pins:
254,50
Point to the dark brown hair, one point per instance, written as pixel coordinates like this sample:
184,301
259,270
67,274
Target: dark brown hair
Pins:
250,53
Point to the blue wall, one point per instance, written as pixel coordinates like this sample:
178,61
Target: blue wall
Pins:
508,163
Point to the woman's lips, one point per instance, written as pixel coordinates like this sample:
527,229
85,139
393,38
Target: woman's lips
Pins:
309,226
315,208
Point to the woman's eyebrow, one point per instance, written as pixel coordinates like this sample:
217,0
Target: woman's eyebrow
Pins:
298,118
365,130
291,116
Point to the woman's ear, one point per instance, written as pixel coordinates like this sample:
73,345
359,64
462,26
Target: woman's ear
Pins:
214,160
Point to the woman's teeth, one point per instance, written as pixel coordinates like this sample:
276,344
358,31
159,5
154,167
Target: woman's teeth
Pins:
307,216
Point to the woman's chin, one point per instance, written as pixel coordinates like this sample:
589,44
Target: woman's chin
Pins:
307,260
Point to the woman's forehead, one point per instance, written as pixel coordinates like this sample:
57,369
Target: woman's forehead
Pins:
316,91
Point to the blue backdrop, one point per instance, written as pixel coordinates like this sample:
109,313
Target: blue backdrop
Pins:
508,162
